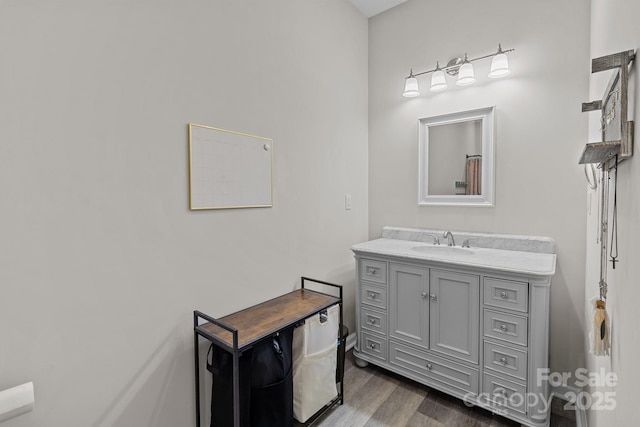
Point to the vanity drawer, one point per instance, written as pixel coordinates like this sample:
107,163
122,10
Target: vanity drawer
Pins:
506,294
374,321
373,295
507,327
373,345
504,393
505,360
374,271
419,362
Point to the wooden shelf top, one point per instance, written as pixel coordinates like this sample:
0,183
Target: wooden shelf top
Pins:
262,320
598,152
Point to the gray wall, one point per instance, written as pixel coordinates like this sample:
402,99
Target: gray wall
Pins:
539,135
614,28
102,262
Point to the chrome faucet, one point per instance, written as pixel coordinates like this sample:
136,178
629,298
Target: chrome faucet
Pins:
436,241
450,241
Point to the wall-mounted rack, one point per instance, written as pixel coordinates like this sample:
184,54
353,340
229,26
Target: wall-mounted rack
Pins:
617,131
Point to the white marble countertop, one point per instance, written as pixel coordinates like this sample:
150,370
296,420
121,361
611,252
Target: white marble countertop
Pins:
513,261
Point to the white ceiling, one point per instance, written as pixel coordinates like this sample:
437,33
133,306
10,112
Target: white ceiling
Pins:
371,8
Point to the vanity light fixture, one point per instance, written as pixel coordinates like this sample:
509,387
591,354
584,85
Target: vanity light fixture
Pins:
411,86
438,80
458,67
466,76
499,65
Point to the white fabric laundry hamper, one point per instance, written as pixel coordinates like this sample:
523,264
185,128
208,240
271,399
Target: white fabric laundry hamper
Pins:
314,363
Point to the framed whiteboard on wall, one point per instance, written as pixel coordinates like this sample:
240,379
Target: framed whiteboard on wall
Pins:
229,170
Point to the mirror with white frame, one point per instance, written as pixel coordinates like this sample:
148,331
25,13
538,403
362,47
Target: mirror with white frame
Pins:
456,159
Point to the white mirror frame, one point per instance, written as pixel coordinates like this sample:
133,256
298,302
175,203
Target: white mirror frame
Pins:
488,172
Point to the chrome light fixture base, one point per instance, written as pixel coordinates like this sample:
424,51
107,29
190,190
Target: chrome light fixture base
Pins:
453,66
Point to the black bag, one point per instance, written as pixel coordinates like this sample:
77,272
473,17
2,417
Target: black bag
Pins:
266,384
221,367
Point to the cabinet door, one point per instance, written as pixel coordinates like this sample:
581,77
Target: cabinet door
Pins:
408,307
454,314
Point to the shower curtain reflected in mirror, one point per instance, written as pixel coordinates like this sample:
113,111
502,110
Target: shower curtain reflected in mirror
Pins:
474,175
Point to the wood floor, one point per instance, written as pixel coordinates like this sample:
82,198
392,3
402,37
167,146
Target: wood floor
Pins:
375,397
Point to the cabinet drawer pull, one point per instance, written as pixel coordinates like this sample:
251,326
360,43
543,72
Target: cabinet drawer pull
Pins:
372,295
503,360
372,346
429,366
503,295
503,328
372,321
372,270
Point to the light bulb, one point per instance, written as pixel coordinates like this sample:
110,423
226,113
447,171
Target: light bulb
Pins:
438,81
411,87
499,66
465,75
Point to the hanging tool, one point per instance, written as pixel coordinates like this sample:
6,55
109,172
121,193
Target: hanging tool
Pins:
601,340
614,222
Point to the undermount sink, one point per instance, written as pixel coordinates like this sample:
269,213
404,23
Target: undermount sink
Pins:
442,250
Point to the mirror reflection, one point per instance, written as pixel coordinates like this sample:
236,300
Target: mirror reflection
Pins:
456,164
455,158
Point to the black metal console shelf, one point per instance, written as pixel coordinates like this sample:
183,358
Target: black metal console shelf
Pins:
242,330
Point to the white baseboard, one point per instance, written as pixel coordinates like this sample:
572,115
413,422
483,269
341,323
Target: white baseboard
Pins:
351,341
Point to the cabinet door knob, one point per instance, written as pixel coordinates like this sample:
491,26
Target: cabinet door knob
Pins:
424,294
429,366
503,328
503,295
433,297
503,360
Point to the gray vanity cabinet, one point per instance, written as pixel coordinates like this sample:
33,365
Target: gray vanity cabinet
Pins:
455,314
435,309
474,333
409,304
